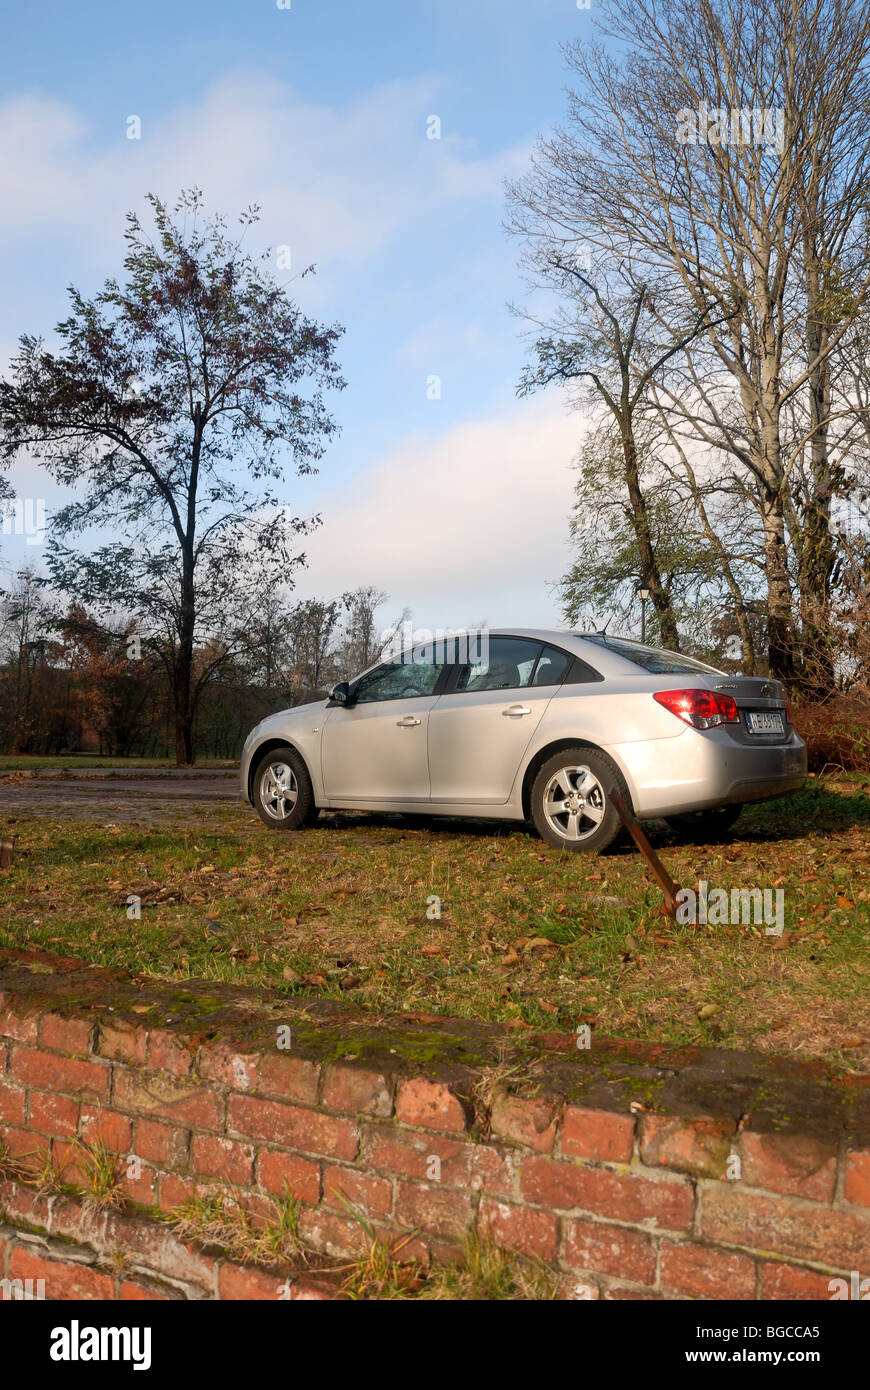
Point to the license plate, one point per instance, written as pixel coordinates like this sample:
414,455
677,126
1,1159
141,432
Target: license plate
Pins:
765,722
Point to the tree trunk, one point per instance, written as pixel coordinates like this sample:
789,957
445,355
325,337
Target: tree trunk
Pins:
780,636
650,573
815,546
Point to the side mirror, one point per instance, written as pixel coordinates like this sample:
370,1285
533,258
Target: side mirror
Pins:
340,694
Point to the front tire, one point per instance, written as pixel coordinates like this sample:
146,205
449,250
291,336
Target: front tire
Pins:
282,792
570,802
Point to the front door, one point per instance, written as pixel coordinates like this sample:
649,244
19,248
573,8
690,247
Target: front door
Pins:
375,749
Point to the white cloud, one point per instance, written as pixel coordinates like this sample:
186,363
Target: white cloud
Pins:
336,185
474,520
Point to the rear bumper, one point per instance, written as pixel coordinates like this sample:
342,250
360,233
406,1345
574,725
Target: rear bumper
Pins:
703,769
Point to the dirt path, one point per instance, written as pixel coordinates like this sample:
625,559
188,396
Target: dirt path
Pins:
117,798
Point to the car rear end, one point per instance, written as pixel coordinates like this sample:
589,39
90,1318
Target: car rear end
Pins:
710,739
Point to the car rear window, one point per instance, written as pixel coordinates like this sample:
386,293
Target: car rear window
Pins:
653,659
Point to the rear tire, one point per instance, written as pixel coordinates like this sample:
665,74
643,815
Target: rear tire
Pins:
282,792
713,823
570,802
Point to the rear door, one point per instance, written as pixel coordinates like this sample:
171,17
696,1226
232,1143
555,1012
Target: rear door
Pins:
479,731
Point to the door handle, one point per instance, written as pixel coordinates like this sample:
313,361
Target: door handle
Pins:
408,722
514,711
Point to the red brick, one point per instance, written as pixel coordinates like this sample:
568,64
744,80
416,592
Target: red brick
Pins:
430,1104
792,1164
597,1134
438,1211
620,1293
114,1130
168,1052
786,1282
173,1191
513,1227
243,1282
288,1173
309,1291
71,1160
12,1104
151,1244
330,1233
228,1066
158,1093
357,1092
699,1146
20,1142
610,1250
166,1145
223,1158
25,1207
77,1221
23,1027
122,1041
60,1074
370,1195
293,1127
281,1076
700,1272
141,1189
784,1225
133,1292
66,1034
481,1167
53,1114
65,1280
668,1202
857,1184
528,1122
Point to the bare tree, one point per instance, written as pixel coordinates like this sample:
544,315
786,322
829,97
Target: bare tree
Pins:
689,147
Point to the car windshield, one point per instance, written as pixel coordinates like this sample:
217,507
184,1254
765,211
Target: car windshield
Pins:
653,659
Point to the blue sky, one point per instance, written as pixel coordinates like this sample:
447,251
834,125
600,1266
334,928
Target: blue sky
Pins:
457,507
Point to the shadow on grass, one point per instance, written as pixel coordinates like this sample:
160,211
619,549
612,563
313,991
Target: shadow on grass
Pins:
814,810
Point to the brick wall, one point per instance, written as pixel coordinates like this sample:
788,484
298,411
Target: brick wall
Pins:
640,1172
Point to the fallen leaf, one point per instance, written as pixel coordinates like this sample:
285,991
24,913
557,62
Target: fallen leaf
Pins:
708,1010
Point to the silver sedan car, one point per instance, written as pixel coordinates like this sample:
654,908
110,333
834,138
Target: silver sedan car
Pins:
533,726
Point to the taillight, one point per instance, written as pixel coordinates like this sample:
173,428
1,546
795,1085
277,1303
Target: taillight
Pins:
788,713
703,709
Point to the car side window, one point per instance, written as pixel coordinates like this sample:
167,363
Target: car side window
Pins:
397,680
507,664
552,667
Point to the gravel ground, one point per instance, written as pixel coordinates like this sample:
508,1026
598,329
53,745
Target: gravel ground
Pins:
127,798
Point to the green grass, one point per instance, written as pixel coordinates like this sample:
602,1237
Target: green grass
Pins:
528,936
